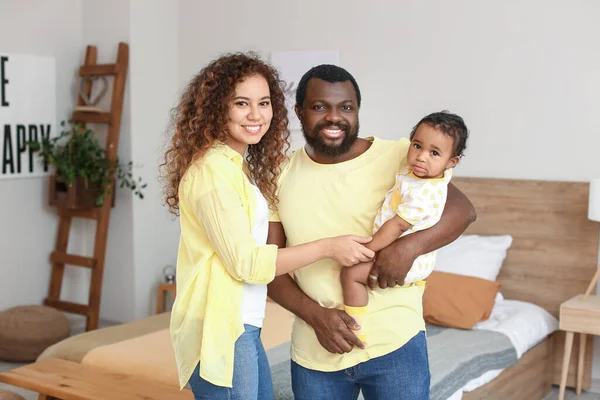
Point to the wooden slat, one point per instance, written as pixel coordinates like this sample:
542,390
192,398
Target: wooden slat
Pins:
555,247
89,214
112,142
72,381
58,270
99,69
64,225
67,306
92,117
59,257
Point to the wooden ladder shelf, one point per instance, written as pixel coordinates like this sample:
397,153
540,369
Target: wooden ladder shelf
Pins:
59,256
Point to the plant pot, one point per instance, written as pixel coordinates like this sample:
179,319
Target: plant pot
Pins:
73,197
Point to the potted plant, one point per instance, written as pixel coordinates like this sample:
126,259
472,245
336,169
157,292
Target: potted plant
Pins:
83,174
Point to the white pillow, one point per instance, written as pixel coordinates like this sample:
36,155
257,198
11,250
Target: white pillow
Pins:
474,255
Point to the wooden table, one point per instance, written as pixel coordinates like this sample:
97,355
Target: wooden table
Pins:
53,378
161,292
577,316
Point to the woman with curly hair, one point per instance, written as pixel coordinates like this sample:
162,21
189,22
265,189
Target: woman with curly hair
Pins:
221,170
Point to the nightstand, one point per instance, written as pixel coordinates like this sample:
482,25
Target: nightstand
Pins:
577,315
161,292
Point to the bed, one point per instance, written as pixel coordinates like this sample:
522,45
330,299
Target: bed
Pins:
551,259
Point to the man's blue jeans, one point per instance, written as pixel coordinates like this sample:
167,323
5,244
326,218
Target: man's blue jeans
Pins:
402,375
251,373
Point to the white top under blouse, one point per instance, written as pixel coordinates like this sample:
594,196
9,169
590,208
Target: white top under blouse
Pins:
254,297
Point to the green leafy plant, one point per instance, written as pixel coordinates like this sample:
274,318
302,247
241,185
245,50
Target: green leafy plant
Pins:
76,153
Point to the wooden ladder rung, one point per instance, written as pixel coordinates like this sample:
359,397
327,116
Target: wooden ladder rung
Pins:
67,306
99,69
58,257
90,214
92,117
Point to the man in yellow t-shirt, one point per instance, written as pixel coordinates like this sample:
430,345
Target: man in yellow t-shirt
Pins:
334,185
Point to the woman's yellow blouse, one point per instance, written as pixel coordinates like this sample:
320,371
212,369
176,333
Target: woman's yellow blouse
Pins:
217,253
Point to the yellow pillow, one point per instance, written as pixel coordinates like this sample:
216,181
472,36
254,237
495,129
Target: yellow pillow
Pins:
458,301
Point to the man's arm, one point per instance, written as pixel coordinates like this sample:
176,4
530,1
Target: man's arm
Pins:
393,263
331,326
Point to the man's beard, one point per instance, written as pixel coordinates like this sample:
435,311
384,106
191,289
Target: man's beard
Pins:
317,142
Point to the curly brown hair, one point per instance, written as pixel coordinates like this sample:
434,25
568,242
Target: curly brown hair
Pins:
201,117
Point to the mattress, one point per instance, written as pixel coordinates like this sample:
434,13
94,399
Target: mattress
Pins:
138,347
524,324
143,348
76,348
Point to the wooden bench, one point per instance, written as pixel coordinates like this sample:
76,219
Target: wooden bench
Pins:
65,380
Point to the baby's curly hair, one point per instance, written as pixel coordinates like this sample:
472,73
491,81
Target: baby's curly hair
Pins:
201,119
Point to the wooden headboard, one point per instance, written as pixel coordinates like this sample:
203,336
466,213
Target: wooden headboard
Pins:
554,252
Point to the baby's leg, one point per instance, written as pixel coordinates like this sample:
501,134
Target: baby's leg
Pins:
354,289
354,284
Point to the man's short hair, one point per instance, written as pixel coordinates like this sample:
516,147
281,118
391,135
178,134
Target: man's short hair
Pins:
329,73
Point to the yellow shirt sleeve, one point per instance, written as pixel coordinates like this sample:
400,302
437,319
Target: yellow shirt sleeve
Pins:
273,210
274,215
218,199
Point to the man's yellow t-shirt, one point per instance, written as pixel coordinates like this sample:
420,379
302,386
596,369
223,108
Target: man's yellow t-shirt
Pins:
324,200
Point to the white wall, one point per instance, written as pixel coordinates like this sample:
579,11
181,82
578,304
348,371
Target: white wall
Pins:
142,237
28,225
524,75
154,86
63,29
118,298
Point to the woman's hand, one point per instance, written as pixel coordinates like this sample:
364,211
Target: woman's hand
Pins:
349,250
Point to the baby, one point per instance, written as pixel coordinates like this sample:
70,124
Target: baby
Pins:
415,202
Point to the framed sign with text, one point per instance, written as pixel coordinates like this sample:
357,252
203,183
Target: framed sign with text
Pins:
27,112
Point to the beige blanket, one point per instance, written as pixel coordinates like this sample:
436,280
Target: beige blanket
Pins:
76,347
143,347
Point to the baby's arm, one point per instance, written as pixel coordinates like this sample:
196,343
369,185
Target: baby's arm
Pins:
388,233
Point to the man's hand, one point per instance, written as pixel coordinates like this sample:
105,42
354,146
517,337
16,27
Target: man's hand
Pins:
334,330
392,264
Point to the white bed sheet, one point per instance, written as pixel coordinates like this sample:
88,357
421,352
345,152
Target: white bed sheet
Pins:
526,325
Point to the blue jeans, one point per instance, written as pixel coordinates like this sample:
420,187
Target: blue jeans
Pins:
251,373
402,374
